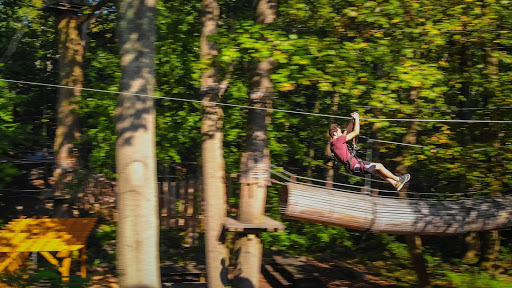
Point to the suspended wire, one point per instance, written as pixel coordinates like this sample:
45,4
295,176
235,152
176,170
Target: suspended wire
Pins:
417,30
27,190
330,182
432,147
396,143
365,188
354,186
258,108
435,109
364,178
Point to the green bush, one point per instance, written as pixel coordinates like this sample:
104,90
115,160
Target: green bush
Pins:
475,279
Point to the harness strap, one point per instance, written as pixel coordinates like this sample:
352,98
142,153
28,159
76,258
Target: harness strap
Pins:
359,161
348,163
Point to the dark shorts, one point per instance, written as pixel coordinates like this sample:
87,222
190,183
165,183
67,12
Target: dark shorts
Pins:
369,167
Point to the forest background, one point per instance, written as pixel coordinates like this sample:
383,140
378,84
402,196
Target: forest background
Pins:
446,60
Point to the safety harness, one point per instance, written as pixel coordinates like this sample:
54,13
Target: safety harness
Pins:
352,150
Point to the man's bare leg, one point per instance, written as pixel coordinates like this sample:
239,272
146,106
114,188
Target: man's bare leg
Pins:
386,174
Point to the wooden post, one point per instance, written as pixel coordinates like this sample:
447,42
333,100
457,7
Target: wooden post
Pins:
181,200
197,209
83,262
64,270
172,204
165,201
189,215
160,197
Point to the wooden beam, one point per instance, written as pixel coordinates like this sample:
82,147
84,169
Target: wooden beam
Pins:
268,225
83,262
8,260
50,258
64,269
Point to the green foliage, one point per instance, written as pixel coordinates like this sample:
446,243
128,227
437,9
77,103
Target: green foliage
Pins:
384,59
173,247
42,277
308,239
106,234
101,249
475,279
53,277
178,73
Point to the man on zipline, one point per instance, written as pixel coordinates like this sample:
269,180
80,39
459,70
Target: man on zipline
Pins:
342,153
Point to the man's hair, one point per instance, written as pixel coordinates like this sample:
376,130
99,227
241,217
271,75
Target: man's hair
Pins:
333,129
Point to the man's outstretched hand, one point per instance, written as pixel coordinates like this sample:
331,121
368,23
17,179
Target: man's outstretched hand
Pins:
355,115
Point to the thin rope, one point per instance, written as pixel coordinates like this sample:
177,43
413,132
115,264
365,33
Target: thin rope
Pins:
21,195
397,143
330,188
462,195
27,190
382,196
433,147
281,175
278,182
364,178
259,108
435,109
335,183
330,182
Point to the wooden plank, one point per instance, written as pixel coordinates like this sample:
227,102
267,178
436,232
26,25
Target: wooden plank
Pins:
268,225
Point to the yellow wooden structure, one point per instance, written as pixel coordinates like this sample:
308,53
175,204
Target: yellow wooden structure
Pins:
22,236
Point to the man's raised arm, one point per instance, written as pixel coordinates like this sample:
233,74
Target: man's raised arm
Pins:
354,133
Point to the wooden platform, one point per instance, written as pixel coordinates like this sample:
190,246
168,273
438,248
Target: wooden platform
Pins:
268,225
395,215
55,5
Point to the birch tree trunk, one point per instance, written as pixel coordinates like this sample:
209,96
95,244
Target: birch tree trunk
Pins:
213,166
137,193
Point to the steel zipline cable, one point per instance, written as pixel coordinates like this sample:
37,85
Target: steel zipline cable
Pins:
284,111
257,108
447,109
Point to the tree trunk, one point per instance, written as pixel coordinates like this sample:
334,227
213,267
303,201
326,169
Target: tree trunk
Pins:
491,239
490,251
71,55
256,162
137,191
311,145
413,241
472,241
214,182
330,164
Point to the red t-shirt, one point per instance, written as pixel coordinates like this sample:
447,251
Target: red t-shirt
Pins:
340,148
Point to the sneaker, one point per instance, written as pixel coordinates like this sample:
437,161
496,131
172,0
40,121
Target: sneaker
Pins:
401,181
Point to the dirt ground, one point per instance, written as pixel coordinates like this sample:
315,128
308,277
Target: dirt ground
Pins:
334,274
